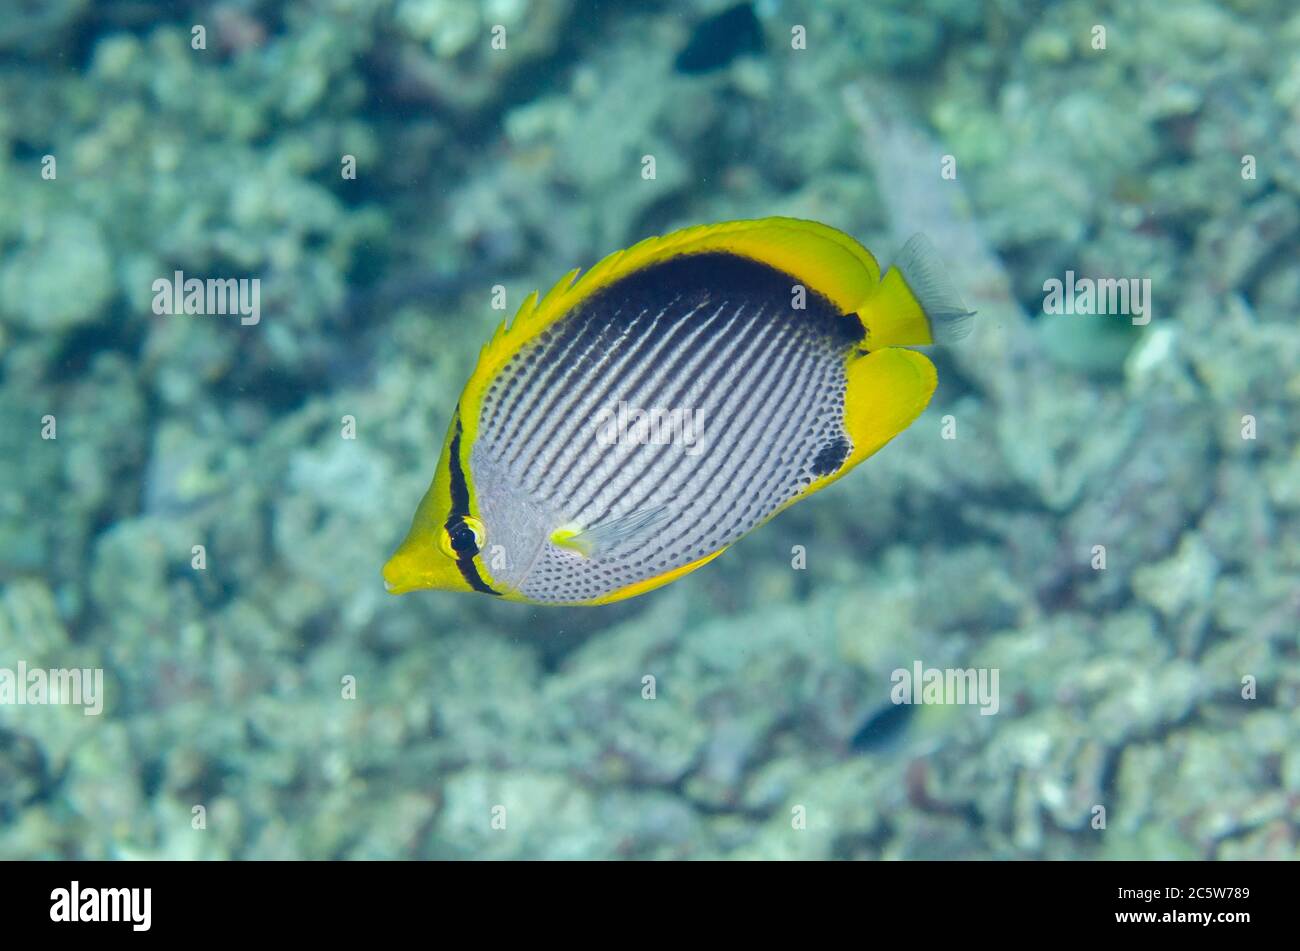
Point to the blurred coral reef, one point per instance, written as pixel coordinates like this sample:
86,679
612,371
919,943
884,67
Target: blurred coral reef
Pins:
476,166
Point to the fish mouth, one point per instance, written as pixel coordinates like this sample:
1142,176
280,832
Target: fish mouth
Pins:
402,587
399,577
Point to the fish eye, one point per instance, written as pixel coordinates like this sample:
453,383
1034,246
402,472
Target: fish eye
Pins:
462,537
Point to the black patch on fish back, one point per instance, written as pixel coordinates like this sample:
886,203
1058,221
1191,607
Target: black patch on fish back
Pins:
830,457
722,276
853,326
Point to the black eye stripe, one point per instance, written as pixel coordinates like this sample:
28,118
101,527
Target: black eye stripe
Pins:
459,488
455,525
463,540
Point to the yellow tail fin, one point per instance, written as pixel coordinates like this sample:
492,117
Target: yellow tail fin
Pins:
914,304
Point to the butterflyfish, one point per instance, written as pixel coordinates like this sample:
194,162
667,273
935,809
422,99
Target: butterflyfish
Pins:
629,426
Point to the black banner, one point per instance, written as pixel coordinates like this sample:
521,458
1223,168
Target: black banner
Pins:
332,901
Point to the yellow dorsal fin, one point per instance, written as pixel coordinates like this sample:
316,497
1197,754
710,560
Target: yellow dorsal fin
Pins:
825,261
914,305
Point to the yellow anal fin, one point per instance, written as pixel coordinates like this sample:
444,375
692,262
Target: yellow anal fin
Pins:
887,390
658,581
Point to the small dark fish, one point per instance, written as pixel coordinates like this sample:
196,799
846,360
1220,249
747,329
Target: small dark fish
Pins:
881,728
720,39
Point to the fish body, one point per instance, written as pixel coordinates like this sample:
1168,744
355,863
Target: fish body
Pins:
631,425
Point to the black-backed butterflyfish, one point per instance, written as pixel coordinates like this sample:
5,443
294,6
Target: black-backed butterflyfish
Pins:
632,424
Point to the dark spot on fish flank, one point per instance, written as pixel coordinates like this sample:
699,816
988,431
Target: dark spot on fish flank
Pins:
850,330
831,456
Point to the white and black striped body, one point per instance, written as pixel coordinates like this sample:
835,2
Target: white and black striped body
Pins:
712,333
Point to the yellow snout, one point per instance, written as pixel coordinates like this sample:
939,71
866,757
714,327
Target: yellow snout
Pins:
418,564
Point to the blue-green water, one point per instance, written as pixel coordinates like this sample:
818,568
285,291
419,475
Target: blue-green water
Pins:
1098,516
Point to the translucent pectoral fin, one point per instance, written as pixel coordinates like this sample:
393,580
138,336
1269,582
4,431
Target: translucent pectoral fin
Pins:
611,534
